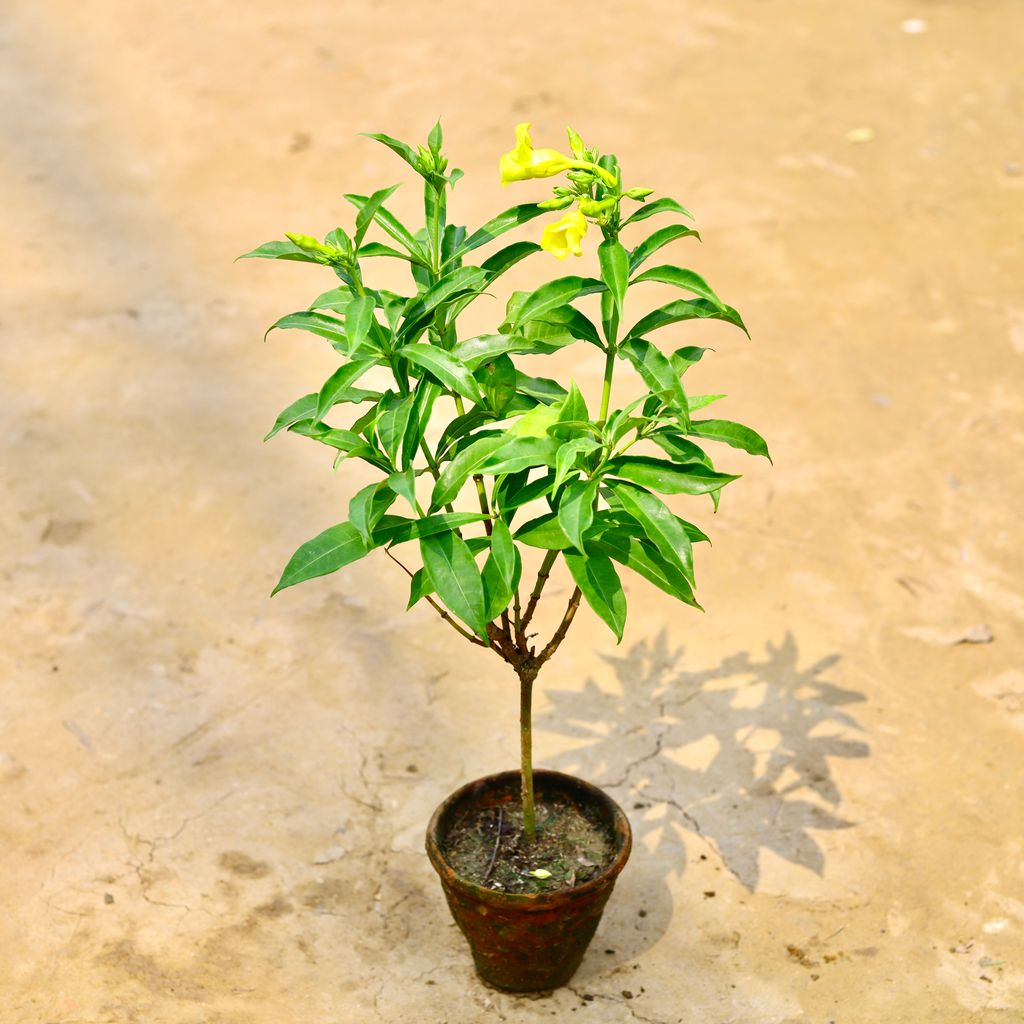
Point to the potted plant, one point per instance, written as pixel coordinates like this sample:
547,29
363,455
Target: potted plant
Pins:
499,475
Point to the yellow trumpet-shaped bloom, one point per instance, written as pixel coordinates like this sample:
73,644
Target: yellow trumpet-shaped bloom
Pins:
564,235
523,161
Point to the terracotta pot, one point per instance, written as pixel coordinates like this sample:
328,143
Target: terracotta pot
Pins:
529,942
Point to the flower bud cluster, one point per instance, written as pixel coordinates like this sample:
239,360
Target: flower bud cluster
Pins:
595,184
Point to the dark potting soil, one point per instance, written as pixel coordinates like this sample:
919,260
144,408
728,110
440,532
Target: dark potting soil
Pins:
487,845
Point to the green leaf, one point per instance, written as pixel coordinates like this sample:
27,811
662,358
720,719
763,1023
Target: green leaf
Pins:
393,305
614,271
339,382
570,455
566,319
685,309
734,434
436,137
404,485
444,367
520,453
536,422
325,553
646,561
399,529
555,329
402,149
685,357
426,394
554,294
368,210
512,492
687,280
392,225
395,410
660,526
541,388
367,506
663,205
656,241
596,577
463,425
678,448
466,462
666,477
422,308
573,415
506,258
511,218
497,380
339,240
697,402
576,510
657,372
316,323
502,570
279,251
335,298
474,352
371,249
344,440
358,321
456,578
454,236
303,408
544,532
695,533
419,586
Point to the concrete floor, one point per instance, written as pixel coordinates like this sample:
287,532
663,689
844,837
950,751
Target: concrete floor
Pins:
212,805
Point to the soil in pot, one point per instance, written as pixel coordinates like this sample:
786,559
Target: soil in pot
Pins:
487,846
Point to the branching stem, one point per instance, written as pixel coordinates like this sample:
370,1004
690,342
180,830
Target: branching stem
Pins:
471,637
531,607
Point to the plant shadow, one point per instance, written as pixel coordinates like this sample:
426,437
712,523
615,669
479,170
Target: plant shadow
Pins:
738,754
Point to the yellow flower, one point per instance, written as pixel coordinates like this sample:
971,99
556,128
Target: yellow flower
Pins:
523,161
564,236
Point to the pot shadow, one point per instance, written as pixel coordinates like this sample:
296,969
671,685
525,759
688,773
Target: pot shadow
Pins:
737,754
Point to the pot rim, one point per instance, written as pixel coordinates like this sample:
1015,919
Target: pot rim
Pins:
529,901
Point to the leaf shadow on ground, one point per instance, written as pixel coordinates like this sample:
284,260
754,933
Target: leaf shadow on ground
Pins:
739,753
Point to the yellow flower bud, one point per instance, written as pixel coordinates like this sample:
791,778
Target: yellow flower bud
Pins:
564,236
308,243
558,203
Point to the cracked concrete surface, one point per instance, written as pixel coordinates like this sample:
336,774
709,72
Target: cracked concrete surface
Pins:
212,805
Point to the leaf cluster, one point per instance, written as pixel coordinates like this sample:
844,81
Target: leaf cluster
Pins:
479,461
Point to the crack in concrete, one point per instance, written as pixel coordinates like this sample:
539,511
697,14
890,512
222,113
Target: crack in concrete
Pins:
141,866
638,761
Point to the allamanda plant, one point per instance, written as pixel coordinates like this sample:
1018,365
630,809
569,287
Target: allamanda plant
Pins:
450,418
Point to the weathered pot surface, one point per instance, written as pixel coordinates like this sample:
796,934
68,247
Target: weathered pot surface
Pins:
527,942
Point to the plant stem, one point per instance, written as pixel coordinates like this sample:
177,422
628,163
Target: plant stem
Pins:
531,607
526,748
472,638
563,628
481,490
606,392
